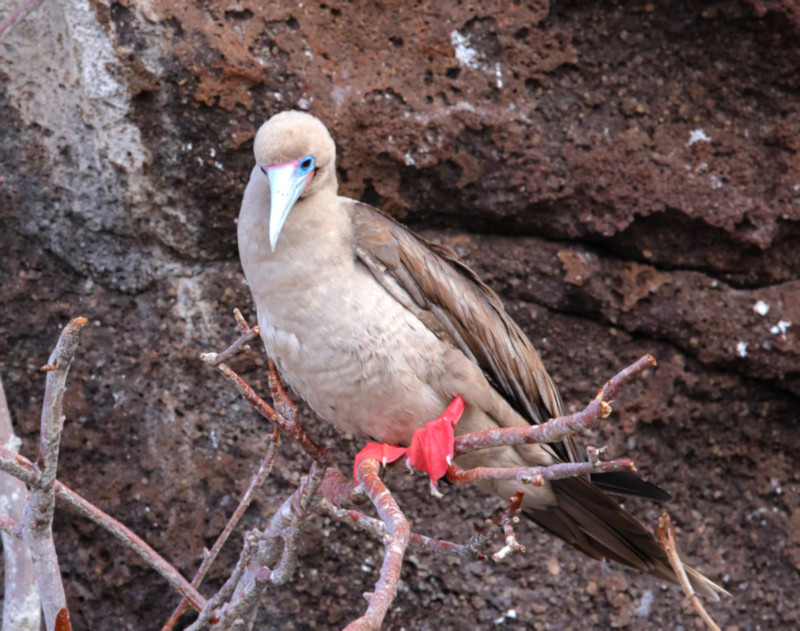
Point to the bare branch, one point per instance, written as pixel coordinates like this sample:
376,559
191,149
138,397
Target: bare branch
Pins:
306,499
341,491
209,556
22,607
247,336
280,398
20,467
398,534
377,529
507,519
275,547
536,476
666,532
559,428
38,514
289,426
132,541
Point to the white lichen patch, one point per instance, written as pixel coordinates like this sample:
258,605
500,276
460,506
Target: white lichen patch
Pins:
761,308
646,604
470,57
511,614
465,54
339,94
698,135
192,308
741,349
498,73
781,328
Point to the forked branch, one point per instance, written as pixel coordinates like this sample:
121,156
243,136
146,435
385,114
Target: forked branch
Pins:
267,562
270,556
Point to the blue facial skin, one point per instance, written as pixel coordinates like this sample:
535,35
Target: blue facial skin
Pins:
306,165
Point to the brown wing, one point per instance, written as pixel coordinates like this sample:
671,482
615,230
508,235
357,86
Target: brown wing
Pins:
454,303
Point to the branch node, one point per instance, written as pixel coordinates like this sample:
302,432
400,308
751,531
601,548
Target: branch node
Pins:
594,454
209,358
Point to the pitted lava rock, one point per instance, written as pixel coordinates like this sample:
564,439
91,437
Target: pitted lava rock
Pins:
627,177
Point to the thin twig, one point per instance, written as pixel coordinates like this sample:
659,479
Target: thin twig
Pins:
275,547
208,558
559,428
506,520
211,612
18,466
289,427
223,602
247,336
306,499
536,476
666,532
376,528
132,541
40,506
280,398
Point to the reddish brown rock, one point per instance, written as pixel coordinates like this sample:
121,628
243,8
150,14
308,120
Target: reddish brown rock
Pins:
626,177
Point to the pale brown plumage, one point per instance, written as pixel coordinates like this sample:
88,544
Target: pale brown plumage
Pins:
378,329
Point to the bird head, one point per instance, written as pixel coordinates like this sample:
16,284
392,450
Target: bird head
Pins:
298,156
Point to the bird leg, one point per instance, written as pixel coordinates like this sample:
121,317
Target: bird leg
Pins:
431,449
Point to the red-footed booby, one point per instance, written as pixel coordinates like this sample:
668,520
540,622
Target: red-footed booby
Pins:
379,330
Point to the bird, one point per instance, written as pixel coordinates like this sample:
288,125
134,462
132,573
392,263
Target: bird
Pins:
378,329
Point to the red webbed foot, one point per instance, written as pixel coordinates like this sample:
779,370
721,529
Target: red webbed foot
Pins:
431,449
382,452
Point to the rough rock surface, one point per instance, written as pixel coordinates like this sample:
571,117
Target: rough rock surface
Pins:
627,177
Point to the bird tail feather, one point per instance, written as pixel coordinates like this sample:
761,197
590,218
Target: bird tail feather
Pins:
594,523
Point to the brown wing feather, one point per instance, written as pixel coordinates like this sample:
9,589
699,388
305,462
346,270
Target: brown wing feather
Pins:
595,524
454,303
450,298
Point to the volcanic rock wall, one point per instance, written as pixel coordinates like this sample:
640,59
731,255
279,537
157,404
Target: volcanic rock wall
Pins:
626,177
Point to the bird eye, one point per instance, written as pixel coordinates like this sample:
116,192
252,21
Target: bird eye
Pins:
306,164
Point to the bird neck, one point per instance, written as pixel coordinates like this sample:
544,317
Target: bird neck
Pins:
312,244
316,227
